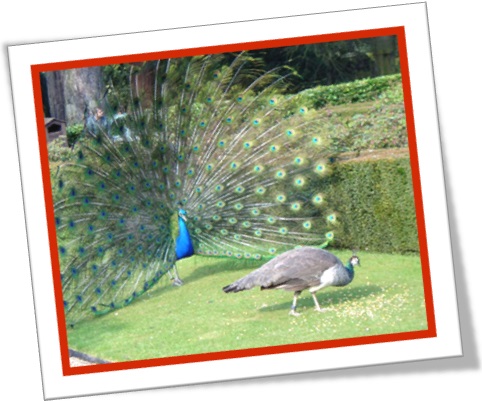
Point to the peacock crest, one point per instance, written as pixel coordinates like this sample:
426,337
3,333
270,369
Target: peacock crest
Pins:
197,151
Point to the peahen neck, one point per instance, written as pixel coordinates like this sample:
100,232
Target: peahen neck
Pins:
350,270
184,247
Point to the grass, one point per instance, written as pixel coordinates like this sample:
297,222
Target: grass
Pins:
386,296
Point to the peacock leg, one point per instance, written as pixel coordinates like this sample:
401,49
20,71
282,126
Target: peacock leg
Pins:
293,305
176,281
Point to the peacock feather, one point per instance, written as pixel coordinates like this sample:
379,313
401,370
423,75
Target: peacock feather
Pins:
198,156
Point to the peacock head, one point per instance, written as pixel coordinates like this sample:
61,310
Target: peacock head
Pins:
182,214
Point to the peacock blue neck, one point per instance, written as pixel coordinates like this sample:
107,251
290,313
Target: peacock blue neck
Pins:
184,247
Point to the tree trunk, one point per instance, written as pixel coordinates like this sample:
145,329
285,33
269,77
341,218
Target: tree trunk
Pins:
73,93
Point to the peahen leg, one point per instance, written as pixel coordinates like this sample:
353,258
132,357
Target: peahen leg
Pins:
317,305
293,305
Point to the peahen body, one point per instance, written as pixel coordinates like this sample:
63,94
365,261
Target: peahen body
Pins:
207,158
304,268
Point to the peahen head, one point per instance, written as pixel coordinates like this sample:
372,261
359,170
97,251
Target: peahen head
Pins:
354,261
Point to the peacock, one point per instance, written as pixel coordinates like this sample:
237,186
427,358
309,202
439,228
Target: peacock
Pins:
297,270
204,155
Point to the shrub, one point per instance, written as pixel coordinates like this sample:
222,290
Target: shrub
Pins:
58,151
362,90
380,127
74,132
375,200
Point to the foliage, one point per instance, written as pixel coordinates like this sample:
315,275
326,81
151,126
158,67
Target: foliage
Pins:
117,78
386,296
382,126
362,90
376,210
376,122
329,63
58,151
74,132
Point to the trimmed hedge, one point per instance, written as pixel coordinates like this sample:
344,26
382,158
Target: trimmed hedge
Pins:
375,202
362,90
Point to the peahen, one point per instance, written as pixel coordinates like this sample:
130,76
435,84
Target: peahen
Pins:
204,155
304,268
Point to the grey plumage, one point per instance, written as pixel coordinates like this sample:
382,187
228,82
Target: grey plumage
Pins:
297,270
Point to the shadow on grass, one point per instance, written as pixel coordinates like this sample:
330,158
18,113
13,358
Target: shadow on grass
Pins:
201,267
336,297
198,268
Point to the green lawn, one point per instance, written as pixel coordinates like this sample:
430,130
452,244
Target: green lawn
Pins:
386,296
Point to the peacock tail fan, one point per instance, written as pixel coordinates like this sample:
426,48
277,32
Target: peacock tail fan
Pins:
224,142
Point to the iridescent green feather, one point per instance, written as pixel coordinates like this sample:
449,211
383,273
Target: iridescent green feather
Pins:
219,140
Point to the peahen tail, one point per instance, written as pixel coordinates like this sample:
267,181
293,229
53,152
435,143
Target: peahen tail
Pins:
217,141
